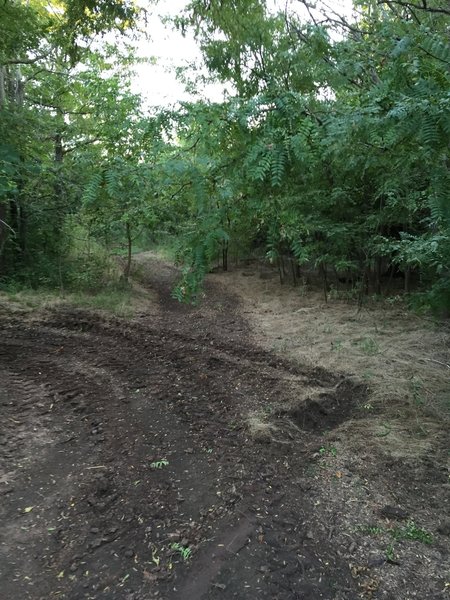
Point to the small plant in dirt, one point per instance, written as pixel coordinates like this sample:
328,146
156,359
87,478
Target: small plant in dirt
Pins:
183,551
417,391
336,345
370,529
389,553
367,406
328,451
159,464
369,346
385,431
268,409
411,532
367,375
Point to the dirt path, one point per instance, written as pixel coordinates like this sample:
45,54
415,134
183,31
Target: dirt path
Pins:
161,458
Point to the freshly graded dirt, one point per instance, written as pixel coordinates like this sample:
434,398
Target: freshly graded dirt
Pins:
171,456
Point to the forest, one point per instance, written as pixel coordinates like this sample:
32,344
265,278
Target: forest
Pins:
330,151
225,346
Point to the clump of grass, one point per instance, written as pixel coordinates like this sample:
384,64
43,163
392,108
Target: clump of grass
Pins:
417,391
412,532
184,552
116,301
409,532
369,346
370,529
159,464
259,429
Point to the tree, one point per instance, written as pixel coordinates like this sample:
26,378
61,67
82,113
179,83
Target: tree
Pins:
342,129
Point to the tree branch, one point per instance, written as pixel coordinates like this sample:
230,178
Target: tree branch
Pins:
24,61
80,145
411,5
58,108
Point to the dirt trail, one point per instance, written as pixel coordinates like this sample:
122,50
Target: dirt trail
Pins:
129,468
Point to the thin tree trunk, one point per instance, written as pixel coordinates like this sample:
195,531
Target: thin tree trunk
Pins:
378,269
323,273
4,231
225,256
2,87
294,271
407,280
127,270
280,269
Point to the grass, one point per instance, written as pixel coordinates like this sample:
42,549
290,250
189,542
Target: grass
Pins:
116,300
369,346
184,552
370,529
417,391
410,531
159,464
330,450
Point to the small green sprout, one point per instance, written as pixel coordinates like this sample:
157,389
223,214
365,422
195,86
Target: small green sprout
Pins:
159,464
185,553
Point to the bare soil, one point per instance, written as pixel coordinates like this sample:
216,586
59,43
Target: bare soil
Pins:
182,454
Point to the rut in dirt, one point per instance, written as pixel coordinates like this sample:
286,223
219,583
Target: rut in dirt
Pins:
127,467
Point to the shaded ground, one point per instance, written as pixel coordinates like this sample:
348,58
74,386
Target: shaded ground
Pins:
126,444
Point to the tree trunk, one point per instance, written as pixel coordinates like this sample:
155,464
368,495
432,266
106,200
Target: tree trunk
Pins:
58,155
280,266
323,273
407,280
225,256
127,269
293,262
4,231
378,269
2,87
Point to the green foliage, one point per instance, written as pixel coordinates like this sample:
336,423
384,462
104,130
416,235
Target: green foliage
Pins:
331,154
184,552
412,532
159,464
335,147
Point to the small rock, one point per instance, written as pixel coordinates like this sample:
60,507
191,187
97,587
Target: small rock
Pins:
375,560
393,512
129,553
94,530
73,567
220,586
444,529
290,570
310,535
352,547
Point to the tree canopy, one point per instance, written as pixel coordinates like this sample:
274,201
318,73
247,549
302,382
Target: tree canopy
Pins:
330,153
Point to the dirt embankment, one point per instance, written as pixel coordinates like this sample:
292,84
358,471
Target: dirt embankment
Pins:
175,455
